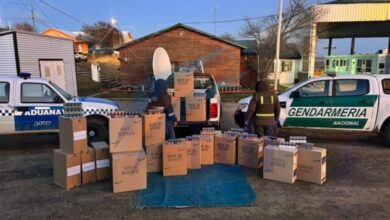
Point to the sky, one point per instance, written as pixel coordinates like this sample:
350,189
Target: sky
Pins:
142,17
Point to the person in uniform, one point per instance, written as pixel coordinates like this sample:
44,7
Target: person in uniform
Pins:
263,110
161,98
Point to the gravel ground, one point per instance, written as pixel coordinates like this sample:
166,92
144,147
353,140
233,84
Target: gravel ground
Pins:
357,187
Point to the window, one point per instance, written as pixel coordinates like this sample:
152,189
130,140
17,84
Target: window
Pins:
286,66
4,92
333,64
37,93
364,66
351,87
386,86
381,65
314,89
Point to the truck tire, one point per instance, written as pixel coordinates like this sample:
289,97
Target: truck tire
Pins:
386,135
97,130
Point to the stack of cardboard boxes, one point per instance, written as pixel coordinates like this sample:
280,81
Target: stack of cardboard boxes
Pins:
74,162
128,156
294,160
154,137
195,103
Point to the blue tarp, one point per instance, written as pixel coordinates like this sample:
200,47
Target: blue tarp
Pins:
217,185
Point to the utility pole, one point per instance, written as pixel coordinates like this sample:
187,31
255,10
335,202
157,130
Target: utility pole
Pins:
215,17
32,15
277,59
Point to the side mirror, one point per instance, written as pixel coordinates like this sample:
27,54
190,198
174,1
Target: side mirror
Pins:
294,94
58,99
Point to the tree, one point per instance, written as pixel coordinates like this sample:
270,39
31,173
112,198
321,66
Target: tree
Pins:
102,33
24,26
296,24
228,37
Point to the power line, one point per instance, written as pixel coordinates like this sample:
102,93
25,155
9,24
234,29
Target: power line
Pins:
63,12
228,21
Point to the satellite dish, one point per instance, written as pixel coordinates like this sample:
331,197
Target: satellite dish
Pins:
161,64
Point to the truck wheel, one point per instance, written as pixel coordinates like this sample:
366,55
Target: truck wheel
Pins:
386,135
97,130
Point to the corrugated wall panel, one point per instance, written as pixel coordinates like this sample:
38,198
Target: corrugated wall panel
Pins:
33,47
353,12
7,55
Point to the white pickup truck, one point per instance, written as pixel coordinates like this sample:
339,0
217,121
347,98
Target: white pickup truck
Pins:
33,105
356,103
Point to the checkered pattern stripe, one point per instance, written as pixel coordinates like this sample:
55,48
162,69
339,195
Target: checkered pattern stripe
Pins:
4,112
97,111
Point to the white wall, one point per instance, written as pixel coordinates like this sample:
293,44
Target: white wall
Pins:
34,47
7,55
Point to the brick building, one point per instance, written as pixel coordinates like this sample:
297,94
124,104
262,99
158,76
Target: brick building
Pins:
183,44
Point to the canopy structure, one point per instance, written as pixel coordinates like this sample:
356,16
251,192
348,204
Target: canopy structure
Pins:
348,19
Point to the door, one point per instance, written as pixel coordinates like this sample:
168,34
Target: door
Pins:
308,106
6,108
355,104
53,70
38,109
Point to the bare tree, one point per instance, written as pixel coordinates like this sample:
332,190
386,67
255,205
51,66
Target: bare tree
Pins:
101,33
297,19
24,26
228,37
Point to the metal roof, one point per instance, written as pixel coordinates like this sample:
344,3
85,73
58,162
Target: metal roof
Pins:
31,33
179,25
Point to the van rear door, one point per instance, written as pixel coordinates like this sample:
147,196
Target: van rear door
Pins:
6,107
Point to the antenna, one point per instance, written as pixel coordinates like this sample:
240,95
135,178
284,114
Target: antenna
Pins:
32,15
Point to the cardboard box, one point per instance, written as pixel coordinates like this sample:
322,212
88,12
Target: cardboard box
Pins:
195,108
176,105
175,158
183,84
66,169
129,171
280,163
225,149
125,134
194,154
103,164
88,166
250,152
154,129
154,158
73,135
312,165
207,148
269,140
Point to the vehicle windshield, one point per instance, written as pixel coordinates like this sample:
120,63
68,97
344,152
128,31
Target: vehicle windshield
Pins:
63,93
292,87
200,82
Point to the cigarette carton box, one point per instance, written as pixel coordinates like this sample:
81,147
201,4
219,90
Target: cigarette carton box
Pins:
280,163
129,171
103,163
154,158
207,148
175,158
194,153
312,164
270,140
183,84
66,169
195,108
88,166
250,152
73,135
225,149
154,129
125,134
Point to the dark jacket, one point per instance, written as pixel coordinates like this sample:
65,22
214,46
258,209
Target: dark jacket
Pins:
161,98
264,108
